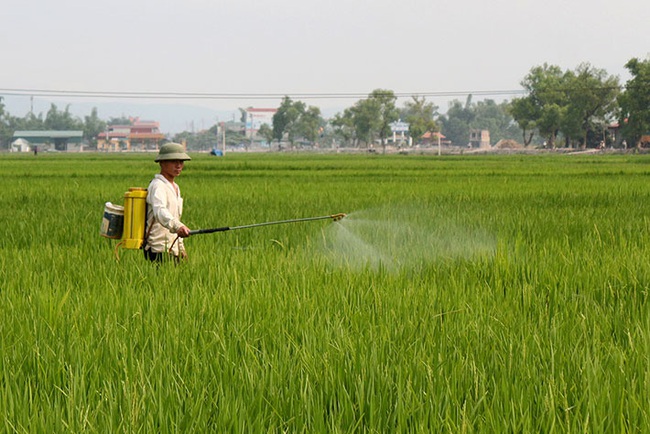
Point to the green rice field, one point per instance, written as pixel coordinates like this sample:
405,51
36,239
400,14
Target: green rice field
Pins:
491,294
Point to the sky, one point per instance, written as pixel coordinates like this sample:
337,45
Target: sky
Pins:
261,50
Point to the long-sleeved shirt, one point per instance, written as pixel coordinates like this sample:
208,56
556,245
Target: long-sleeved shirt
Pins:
164,211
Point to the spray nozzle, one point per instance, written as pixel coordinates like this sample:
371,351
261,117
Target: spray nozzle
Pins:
337,217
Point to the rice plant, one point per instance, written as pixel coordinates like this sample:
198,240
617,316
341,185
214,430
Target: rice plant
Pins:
461,294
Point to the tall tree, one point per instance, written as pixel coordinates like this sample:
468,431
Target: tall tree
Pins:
591,101
123,120
243,114
387,112
488,115
525,113
198,141
343,124
309,123
365,120
576,104
284,119
29,122
61,120
634,117
372,116
295,120
420,116
266,132
294,112
5,127
93,125
546,90
457,122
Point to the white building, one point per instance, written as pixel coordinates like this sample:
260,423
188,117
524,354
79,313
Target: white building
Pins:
20,145
256,117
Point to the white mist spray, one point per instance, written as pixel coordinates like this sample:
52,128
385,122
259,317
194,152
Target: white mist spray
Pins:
399,239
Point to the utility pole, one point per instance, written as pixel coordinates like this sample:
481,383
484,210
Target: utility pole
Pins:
252,128
223,132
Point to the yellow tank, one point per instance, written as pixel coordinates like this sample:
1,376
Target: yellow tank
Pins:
135,216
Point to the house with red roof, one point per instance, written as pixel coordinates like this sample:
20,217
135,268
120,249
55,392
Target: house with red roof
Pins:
140,135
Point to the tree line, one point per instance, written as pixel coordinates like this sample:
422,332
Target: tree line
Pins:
574,107
570,108
55,119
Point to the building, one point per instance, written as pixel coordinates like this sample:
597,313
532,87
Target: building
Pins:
431,139
479,138
57,140
402,128
20,145
613,131
256,117
139,136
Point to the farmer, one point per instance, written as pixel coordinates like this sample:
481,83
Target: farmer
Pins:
165,231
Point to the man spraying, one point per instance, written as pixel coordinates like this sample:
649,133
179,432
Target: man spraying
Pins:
165,231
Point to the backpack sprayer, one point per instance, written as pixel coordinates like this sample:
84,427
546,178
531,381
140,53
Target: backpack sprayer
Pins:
128,222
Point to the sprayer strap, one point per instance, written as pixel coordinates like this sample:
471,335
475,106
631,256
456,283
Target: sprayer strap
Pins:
146,236
172,246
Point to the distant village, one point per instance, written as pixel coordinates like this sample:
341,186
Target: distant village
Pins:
145,136
139,136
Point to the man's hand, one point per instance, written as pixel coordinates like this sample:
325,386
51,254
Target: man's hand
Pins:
183,232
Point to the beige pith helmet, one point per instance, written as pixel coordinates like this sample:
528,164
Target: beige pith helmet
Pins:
172,151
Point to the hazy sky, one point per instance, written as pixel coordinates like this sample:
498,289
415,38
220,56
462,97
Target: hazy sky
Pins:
304,46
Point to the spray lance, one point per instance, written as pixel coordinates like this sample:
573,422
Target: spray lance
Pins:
333,217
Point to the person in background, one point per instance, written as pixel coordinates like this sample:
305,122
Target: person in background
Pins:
165,231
